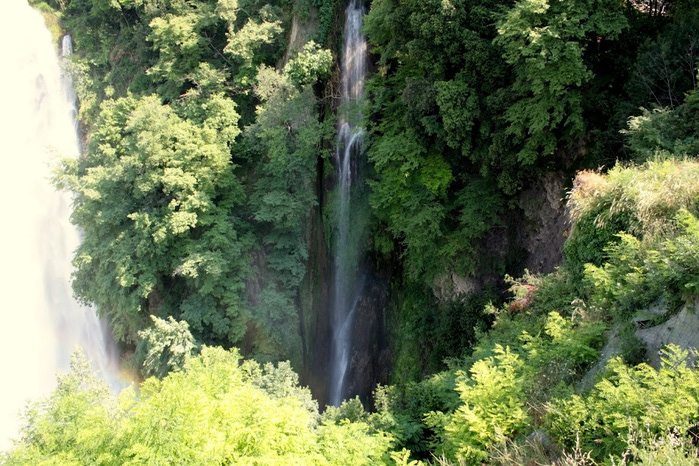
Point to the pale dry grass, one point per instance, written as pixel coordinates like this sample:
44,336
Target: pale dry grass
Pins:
650,195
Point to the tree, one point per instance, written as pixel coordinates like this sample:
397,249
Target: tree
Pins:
285,142
545,43
165,347
156,199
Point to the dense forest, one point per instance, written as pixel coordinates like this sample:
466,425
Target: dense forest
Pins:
533,210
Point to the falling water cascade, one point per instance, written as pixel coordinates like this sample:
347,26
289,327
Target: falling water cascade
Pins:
348,279
40,322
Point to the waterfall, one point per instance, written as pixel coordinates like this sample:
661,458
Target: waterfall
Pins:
348,279
40,322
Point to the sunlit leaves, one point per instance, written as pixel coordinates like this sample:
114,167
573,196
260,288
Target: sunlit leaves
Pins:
215,411
179,44
309,65
167,344
630,400
155,194
493,406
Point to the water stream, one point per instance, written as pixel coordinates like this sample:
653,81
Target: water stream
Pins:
348,278
40,322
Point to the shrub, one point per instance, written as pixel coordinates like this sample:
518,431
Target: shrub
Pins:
630,399
639,200
639,274
493,407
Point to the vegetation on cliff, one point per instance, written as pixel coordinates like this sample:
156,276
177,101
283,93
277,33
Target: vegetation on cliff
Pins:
196,193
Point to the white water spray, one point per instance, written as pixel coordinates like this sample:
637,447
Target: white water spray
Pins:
40,322
348,282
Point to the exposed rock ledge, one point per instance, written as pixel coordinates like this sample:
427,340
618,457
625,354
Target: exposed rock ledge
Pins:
681,329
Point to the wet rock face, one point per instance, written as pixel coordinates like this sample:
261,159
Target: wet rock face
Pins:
370,358
369,362
545,223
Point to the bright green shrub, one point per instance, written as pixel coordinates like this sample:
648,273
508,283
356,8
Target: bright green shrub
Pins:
215,411
566,344
311,64
627,401
493,407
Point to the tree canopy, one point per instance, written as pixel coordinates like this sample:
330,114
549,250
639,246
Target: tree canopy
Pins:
216,411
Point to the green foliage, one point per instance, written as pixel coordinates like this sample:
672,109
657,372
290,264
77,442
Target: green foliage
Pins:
545,43
280,382
328,15
403,198
155,199
170,241
189,41
180,47
110,42
640,200
589,238
215,411
425,116
667,64
428,333
75,425
285,143
309,65
638,274
166,347
509,385
631,348
656,133
470,102
245,44
401,409
493,407
628,401
435,226
171,48
559,357
551,292
451,330
665,132
669,449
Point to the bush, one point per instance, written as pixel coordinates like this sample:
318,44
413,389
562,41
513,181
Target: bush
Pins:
639,274
493,407
628,400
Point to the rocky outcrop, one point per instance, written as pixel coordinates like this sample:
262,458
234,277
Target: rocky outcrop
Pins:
545,225
681,329
370,360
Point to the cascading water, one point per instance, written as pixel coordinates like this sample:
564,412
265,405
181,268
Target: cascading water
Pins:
348,280
40,322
